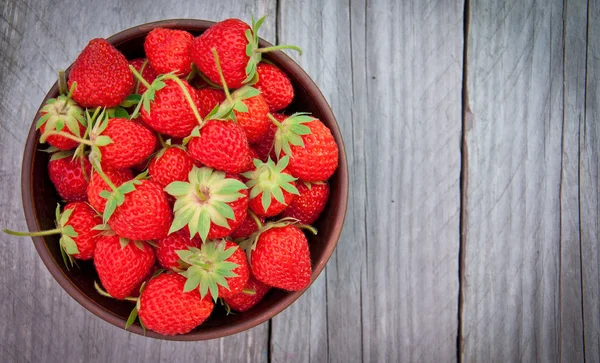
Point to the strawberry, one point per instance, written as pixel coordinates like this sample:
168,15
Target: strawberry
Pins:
69,176
221,145
264,147
168,50
121,264
148,73
254,120
248,226
102,75
217,266
209,98
210,203
130,143
144,214
169,165
275,86
55,115
253,293
237,44
167,247
165,308
272,189
97,185
309,204
252,154
309,144
168,110
279,256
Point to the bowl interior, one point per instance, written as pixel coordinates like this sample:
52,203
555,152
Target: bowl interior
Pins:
40,199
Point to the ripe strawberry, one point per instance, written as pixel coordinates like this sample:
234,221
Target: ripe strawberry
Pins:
145,213
97,185
169,165
102,75
275,86
307,206
148,73
69,176
254,121
272,189
265,146
209,98
167,247
279,257
121,264
168,50
61,114
247,227
253,293
252,154
170,112
210,203
165,308
131,143
237,45
221,145
217,266
309,144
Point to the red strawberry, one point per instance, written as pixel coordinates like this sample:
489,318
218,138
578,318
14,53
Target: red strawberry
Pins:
61,114
70,176
307,206
167,247
252,154
210,203
168,50
217,266
275,86
102,75
131,143
165,308
169,165
209,98
253,293
144,215
255,121
97,185
170,112
271,188
121,264
221,145
247,227
309,144
148,73
280,258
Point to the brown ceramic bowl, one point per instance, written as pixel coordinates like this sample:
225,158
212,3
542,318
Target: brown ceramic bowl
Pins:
40,199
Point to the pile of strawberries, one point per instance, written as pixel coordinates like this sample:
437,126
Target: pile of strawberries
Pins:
184,179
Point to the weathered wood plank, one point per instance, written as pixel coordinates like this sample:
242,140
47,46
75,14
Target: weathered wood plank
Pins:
410,129
589,189
40,322
571,314
511,280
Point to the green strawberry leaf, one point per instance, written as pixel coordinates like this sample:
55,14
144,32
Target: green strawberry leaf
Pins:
69,245
131,319
131,100
103,140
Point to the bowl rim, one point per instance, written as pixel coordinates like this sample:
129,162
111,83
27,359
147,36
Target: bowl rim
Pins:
213,332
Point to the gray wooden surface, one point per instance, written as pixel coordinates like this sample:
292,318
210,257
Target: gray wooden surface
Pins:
472,228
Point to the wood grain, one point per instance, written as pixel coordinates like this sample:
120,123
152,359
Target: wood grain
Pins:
40,322
589,192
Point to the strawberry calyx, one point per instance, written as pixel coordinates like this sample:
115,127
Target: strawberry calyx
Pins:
249,244
290,131
203,199
207,267
68,247
116,197
60,112
255,53
270,180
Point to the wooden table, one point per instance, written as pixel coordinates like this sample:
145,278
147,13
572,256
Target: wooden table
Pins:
473,138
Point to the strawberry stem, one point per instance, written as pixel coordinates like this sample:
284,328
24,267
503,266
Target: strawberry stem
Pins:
98,170
69,136
69,95
256,220
220,70
249,292
279,47
134,299
274,120
187,95
139,77
162,141
137,81
208,81
62,82
32,234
